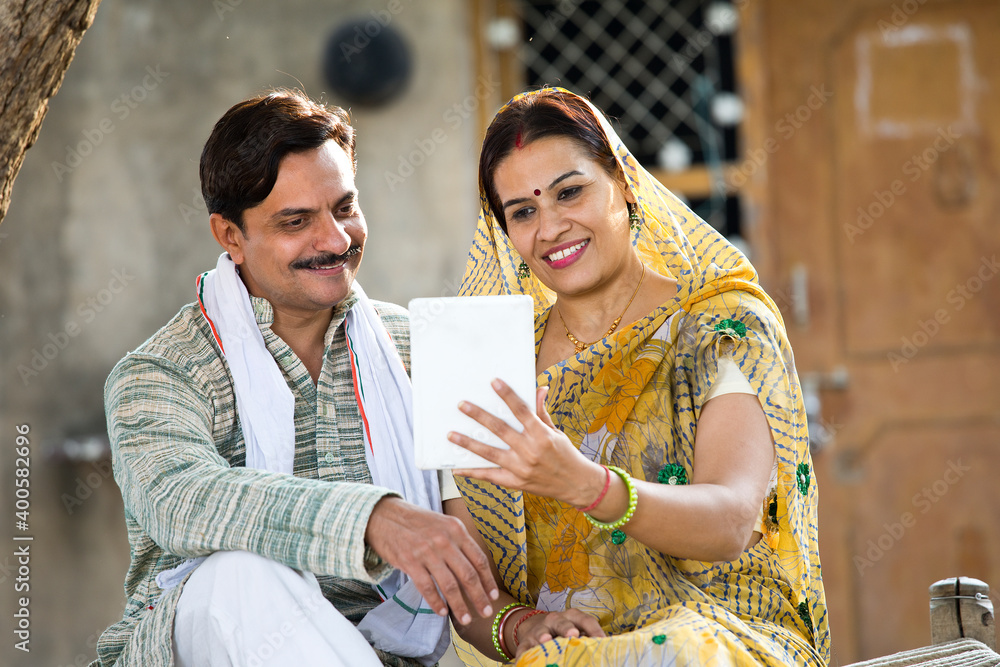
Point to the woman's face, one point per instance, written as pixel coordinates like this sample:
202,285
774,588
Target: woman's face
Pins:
565,215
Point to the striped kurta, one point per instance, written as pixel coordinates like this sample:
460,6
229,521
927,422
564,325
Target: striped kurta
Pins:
179,458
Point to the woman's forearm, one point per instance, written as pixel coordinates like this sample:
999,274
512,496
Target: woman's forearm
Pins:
480,632
713,518
706,522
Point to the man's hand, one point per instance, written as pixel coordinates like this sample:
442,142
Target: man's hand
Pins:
437,553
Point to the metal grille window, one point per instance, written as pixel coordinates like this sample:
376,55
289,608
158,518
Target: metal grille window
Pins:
662,70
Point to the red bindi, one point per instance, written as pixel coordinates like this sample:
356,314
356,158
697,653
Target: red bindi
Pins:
537,192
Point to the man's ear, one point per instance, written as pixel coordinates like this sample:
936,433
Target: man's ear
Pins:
229,236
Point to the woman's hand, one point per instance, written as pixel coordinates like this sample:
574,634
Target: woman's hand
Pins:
540,628
541,459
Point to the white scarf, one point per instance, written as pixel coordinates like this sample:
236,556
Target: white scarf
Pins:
403,624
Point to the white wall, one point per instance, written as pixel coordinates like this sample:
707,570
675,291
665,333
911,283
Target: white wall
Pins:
97,253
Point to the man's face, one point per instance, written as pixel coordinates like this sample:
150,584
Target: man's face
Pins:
303,244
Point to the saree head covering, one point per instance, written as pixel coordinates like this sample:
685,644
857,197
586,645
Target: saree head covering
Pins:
633,400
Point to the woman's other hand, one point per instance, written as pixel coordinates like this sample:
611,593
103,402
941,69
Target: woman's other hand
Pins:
541,628
541,459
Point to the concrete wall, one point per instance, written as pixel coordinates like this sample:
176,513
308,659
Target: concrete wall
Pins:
100,248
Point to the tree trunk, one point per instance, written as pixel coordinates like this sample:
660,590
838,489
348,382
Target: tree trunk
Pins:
37,41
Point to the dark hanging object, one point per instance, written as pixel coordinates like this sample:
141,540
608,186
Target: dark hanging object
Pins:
367,62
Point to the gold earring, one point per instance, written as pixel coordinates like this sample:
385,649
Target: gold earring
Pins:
634,221
522,270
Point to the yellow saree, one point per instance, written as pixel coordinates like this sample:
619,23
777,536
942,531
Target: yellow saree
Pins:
632,400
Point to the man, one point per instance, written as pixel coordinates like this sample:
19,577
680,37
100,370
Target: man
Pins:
246,434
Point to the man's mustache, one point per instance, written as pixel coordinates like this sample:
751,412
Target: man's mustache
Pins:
326,260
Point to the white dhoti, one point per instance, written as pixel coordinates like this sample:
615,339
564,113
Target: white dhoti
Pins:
239,609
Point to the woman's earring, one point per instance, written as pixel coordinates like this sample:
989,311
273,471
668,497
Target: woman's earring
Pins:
634,221
522,270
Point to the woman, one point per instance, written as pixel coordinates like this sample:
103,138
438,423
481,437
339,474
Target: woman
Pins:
658,502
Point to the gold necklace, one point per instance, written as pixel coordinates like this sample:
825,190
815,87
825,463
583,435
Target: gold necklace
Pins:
580,345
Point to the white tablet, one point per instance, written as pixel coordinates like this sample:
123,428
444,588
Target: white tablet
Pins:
457,346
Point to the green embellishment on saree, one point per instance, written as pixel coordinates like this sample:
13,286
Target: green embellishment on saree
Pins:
802,478
771,517
672,474
733,328
804,614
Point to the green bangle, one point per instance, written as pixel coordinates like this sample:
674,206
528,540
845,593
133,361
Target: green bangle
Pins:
633,500
497,622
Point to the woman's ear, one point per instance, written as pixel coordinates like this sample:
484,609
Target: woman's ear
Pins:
622,183
627,191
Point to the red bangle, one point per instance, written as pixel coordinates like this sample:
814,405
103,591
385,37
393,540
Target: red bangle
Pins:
517,642
604,492
503,622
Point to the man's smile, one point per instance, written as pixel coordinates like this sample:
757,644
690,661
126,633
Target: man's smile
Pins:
327,262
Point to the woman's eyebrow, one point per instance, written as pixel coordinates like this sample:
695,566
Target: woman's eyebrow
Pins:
551,185
563,178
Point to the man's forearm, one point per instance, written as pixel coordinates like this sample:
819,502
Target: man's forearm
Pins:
190,500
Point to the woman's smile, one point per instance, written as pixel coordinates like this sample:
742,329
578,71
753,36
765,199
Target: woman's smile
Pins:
566,254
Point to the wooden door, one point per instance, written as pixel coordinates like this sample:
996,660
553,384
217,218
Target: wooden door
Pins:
884,196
